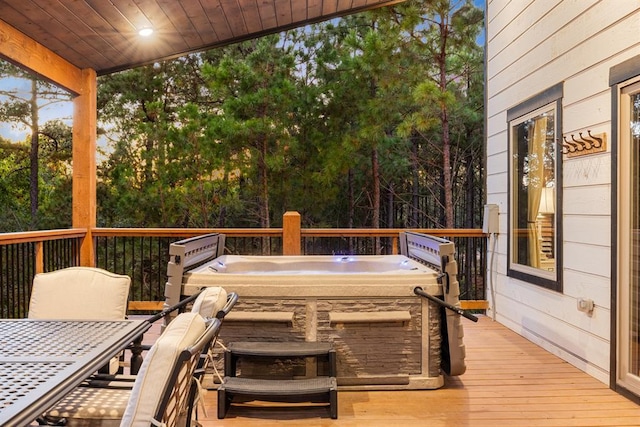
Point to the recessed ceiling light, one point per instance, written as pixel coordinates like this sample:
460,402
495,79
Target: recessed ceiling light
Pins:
146,31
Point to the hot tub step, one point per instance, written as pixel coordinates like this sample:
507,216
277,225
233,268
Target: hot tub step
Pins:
298,349
277,349
314,390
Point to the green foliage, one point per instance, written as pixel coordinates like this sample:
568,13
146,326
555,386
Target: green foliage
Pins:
341,121
14,188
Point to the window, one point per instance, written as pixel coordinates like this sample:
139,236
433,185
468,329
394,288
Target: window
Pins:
534,184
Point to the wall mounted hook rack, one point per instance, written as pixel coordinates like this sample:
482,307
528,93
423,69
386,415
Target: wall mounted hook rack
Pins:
581,145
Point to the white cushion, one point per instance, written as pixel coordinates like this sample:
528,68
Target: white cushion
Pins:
155,371
210,301
79,293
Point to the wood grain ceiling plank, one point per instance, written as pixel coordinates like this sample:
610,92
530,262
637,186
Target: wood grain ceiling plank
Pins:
377,3
22,23
200,22
267,14
217,19
284,12
250,15
181,22
101,34
344,5
314,10
132,13
363,3
111,14
329,7
298,10
55,24
235,17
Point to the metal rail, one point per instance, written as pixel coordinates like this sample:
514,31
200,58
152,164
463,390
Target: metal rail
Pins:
418,291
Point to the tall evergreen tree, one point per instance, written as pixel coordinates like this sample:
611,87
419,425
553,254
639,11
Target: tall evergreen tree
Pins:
23,108
446,38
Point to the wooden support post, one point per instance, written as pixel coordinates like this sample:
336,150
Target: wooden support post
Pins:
84,164
291,243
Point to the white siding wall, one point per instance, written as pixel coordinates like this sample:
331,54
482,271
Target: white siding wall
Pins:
533,45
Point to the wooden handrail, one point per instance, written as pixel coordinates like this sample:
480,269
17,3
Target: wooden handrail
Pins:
184,232
274,232
41,236
389,232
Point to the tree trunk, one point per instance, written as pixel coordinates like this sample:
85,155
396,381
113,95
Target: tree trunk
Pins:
222,213
444,121
415,185
390,208
351,208
352,201
264,185
375,172
264,193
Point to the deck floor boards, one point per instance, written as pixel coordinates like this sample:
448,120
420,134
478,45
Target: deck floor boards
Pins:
509,382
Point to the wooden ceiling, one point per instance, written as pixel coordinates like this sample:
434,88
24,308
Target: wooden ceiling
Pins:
103,34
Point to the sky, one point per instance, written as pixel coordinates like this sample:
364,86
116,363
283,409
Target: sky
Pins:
64,111
22,87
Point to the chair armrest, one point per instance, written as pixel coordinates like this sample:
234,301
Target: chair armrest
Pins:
232,299
179,306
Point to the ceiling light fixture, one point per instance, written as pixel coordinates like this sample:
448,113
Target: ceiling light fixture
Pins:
146,31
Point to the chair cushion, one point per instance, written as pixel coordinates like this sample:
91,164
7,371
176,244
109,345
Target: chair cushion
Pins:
210,301
156,369
79,293
91,407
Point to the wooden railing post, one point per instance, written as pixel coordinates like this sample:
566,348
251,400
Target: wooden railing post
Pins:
39,248
291,242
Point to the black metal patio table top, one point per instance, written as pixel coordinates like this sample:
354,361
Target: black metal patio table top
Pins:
42,360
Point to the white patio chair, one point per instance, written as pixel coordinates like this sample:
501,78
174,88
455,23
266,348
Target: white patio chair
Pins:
80,293
103,398
162,390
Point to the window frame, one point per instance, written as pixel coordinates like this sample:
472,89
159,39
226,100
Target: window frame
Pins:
548,99
621,76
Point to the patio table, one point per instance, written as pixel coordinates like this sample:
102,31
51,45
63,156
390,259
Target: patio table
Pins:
43,360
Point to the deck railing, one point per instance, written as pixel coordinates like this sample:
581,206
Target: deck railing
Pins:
142,254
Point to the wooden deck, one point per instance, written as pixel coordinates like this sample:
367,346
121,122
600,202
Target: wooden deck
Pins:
509,382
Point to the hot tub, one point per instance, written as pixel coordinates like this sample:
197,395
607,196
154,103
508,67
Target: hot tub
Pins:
385,336
315,275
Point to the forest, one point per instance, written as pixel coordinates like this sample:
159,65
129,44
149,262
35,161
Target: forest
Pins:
372,120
